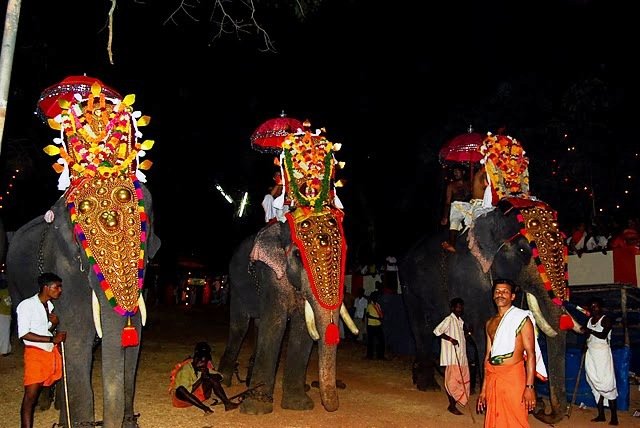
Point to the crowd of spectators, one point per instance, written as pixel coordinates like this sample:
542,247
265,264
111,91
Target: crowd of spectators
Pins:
589,237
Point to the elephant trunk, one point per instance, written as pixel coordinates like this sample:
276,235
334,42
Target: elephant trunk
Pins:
543,324
557,390
327,376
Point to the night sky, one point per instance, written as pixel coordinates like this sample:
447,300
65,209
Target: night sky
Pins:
391,81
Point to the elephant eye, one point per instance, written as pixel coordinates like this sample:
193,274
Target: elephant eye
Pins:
296,253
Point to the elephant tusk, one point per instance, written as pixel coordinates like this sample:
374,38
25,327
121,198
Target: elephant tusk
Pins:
309,317
347,320
143,309
537,314
95,304
577,327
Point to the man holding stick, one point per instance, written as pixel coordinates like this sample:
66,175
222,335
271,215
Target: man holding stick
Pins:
42,360
453,355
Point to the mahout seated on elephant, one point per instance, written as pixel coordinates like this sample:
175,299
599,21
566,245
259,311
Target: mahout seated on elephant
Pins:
519,241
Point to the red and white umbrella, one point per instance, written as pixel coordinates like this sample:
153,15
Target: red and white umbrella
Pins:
462,148
268,137
48,106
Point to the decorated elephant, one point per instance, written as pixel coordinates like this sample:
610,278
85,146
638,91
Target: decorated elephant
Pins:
291,273
520,241
269,283
510,235
98,237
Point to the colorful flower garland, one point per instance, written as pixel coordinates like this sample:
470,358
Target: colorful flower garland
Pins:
506,165
309,168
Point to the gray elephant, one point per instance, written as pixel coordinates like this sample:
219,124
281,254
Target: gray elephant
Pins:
269,283
520,241
84,310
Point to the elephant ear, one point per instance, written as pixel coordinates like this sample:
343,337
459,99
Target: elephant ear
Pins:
153,241
483,239
268,249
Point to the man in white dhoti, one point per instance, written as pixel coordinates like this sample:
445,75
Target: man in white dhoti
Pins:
453,355
598,362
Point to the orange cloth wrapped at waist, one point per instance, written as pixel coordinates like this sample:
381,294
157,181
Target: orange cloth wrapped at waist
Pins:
199,392
504,388
41,366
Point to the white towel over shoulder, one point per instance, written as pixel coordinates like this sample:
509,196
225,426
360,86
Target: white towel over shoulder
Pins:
504,342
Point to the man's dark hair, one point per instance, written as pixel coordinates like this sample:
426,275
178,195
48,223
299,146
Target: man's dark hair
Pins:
48,278
456,301
202,350
596,300
510,283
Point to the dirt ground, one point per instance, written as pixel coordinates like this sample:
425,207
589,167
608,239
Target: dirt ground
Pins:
378,394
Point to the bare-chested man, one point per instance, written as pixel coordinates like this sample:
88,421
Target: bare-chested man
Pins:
508,393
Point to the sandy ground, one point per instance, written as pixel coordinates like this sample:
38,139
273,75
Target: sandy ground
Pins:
378,394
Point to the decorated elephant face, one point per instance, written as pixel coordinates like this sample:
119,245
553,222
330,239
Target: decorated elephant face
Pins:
520,240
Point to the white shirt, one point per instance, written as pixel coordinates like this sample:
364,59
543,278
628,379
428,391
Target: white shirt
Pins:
392,264
272,211
32,318
452,326
361,305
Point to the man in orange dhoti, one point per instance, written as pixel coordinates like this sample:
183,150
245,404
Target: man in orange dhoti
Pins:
453,355
511,362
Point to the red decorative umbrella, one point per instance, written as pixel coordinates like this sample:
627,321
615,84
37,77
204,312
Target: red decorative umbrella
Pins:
463,148
268,137
48,106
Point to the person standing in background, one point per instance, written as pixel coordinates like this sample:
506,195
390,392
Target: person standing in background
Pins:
375,334
453,355
5,319
598,362
360,306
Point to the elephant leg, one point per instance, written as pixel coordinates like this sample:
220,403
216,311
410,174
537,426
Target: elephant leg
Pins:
238,327
423,366
113,373
299,348
270,334
78,358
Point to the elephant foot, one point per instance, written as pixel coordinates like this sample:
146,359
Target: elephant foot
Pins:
257,403
131,421
550,419
297,402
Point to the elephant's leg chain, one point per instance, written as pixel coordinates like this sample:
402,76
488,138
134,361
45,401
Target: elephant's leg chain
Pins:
43,237
260,396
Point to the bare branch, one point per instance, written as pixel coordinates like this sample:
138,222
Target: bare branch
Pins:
228,23
110,39
183,7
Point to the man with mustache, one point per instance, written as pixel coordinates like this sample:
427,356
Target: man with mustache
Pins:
511,363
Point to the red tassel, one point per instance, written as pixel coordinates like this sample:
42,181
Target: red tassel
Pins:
332,334
129,335
566,322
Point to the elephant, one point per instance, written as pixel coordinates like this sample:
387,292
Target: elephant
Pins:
268,283
518,240
49,245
